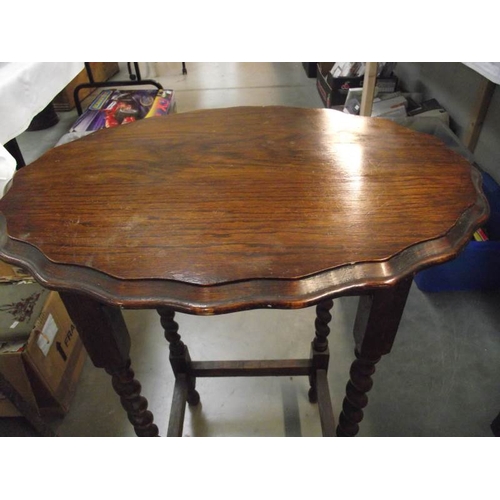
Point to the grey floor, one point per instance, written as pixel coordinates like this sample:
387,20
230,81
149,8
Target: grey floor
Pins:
441,379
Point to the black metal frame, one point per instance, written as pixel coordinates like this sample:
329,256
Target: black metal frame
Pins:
134,80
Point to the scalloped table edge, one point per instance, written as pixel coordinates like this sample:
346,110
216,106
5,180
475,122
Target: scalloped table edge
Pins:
350,279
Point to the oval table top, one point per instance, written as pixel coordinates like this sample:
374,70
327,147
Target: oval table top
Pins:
227,209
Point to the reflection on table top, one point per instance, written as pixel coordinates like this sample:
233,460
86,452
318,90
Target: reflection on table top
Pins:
245,195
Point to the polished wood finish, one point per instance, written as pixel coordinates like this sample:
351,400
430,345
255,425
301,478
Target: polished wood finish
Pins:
224,210
277,206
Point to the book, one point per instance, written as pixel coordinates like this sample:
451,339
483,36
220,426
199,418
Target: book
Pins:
480,235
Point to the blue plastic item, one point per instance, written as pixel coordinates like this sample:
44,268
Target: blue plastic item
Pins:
478,265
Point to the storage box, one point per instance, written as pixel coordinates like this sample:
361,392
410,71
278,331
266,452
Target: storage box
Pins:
101,71
478,265
324,88
340,87
45,370
333,91
389,108
9,273
21,303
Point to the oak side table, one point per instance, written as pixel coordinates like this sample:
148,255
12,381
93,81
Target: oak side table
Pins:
224,210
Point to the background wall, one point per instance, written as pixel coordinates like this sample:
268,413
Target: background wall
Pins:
455,86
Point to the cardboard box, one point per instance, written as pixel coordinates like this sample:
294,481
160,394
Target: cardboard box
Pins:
392,107
341,86
9,273
46,369
21,303
101,71
324,88
333,91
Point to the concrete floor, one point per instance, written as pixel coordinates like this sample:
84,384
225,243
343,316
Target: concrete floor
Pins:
442,378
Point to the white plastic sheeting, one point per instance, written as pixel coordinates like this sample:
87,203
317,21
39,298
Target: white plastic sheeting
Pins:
26,88
490,70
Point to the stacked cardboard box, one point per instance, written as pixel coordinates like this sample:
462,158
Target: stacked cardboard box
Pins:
41,354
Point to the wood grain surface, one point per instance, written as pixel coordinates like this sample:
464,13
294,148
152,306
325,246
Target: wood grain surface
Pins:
238,195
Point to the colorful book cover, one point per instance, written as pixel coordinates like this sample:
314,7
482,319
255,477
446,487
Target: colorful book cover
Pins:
480,235
483,235
116,107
